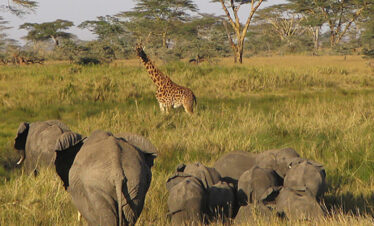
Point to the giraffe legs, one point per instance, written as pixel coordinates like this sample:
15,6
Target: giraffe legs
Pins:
164,108
188,107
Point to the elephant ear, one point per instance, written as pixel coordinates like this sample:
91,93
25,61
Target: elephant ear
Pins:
20,140
142,144
68,140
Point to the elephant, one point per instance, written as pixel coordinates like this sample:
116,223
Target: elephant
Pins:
187,201
247,214
306,173
106,175
231,165
222,201
196,192
258,185
277,159
207,175
298,204
36,141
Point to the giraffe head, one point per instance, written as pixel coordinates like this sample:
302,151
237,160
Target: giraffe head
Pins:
140,52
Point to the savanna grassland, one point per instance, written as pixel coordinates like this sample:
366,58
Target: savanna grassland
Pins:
323,107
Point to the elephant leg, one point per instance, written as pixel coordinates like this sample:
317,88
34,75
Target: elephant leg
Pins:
104,207
82,203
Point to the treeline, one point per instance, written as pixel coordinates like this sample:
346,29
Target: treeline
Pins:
176,29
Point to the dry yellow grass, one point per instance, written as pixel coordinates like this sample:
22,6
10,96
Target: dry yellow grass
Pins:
321,106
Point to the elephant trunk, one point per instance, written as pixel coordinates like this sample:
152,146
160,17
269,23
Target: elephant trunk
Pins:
20,161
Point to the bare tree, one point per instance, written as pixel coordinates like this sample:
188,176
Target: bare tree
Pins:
240,31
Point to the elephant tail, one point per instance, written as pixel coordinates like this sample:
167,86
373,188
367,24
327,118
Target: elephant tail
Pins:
119,184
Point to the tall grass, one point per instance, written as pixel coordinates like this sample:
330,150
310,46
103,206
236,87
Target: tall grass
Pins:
321,106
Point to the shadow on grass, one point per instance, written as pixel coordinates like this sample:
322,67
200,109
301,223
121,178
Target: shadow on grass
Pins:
8,163
349,203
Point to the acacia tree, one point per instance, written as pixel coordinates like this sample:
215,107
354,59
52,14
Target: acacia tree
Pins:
201,37
3,35
49,30
231,8
19,7
368,33
111,34
284,22
156,18
338,14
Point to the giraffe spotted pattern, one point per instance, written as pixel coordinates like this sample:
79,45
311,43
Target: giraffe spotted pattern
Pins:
168,94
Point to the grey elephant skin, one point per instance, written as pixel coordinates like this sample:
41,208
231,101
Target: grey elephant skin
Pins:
207,175
298,204
197,195
187,201
277,159
258,185
303,174
36,142
107,176
231,165
222,201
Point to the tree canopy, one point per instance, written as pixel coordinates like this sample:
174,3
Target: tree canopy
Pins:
155,19
176,29
19,7
49,30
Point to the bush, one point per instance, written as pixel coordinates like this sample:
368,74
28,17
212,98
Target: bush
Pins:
87,61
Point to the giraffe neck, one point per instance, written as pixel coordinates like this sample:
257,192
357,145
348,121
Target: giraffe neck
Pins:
158,78
156,75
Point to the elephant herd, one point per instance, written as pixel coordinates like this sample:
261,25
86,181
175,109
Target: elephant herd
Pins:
108,175
272,183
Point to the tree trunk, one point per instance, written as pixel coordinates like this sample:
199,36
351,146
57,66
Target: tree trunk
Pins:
164,44
55,40
240,47
316,39
332,38
239,30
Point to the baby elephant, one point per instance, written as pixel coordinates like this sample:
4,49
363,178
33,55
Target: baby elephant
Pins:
231,165
304,173
197,195
187,201
36,141
107,176
258,185
298,204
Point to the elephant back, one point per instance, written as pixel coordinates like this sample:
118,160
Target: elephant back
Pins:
97,136
208,176
60,124
138,174
231,165
105,162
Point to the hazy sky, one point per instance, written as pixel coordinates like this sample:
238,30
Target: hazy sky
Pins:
81,10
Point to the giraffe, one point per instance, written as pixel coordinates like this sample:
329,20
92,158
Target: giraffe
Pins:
168,94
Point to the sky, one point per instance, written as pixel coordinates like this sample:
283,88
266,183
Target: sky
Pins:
78,11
